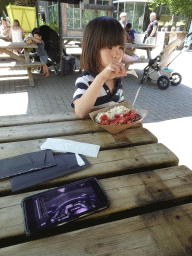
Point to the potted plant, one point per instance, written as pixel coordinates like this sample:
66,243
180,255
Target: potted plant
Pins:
180,25
168,26
160,25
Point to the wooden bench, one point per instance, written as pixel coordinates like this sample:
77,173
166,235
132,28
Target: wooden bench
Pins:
7,48
21,65
6,56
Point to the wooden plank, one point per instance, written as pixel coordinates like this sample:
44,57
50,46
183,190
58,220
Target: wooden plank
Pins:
20,65
13,55
37,119
15,45
112,163
35,131
151,234
125,194
106,140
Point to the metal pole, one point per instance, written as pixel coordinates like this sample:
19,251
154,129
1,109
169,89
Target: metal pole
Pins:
37,14
60,33
133,15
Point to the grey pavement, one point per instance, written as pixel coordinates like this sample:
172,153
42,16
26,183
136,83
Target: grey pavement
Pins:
170,116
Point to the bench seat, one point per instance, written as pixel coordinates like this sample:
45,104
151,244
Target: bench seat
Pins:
21,65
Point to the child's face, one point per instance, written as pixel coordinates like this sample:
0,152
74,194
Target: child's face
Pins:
37,36
111,54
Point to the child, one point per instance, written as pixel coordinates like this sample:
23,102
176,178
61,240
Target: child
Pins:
41,52
16,32
102,52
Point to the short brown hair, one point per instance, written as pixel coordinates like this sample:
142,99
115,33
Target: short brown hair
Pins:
99,33
16,22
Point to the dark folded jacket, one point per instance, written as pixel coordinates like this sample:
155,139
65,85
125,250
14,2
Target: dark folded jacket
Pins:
17,165
66,163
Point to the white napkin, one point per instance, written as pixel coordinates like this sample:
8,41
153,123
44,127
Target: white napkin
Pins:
62,146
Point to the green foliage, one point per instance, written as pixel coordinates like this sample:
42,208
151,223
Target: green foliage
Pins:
54,26
176,6
165,18
51,24
3,4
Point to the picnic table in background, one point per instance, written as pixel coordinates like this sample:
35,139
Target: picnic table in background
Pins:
150,210
24,61
68,39
147,47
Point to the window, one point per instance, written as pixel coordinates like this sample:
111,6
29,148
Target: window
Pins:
73,16
53,13
87,16
91,14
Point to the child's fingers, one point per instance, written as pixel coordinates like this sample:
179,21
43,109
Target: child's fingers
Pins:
109,68
117,67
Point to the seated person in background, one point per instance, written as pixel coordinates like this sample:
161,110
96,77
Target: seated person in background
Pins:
130,33
4,28
17,34
4,31
129,55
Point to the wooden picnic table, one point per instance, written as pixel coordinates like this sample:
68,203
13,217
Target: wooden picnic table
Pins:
68,39
24,61
146,47
150,210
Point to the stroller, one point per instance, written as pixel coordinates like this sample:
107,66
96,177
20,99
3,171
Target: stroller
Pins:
52,46
158,70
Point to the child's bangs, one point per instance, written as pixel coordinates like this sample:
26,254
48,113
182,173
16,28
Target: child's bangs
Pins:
113,35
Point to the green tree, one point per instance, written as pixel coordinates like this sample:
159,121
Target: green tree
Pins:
176,6
4,3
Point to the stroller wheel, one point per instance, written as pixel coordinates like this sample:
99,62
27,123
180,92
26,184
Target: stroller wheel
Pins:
163,82
142,81
176,79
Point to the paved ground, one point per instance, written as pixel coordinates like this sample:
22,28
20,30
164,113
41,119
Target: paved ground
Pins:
170,116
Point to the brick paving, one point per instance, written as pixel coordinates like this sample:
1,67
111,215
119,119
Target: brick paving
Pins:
54,94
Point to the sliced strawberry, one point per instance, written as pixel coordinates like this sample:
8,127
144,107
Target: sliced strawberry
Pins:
132,112
126,114
107,122
104,117
122,120
116,116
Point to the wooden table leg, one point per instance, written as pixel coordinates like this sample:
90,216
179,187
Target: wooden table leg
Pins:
31,80
149,53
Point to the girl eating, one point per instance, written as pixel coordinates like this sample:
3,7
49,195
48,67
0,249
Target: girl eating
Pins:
102,52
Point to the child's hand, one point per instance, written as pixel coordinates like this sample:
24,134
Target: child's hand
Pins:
114,70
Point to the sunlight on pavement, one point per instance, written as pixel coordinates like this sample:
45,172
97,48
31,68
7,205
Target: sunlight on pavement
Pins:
14,78
176,135
13,103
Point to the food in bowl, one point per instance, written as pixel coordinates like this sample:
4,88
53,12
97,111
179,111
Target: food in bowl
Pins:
117,115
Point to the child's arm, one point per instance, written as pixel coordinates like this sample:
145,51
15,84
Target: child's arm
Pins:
10,33
23,33
84,105
37,40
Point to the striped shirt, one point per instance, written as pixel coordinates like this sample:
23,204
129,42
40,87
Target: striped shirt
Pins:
105,97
